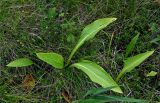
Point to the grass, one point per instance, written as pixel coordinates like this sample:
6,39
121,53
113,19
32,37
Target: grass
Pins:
25,28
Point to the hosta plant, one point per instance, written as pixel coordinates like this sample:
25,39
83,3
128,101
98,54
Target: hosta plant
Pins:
95,72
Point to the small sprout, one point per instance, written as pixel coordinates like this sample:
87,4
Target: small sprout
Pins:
152,74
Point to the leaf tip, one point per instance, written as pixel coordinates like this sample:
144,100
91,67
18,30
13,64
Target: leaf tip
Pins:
118,90
152,51
114,19
152,74
8,65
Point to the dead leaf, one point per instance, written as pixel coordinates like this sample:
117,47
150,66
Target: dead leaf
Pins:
158,1
66,97
28,82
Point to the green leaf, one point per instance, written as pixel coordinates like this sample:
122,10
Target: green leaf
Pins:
89,101
133,62
131,45
117,98
89,32
52,12
22,62
152,73
53,59
97,74
98,91
109,99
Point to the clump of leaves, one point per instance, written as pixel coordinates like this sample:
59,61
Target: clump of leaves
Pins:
95,72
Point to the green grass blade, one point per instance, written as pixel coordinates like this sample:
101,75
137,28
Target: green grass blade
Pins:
89,32
131,45
118,99
133,62
21,97
109,99
52,13
22,62
97,91
89,101
97,74
53,59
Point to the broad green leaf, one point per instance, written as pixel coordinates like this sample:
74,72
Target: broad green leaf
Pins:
53,59
152,73
89,32
22,62
109,99
98,91
131,45
97,74
133,62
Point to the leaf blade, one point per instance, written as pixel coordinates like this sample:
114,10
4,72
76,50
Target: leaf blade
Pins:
152,74
131,45
97,74
133,62
21,62
52,58
109,99
52,12
118,98
89,32
97,91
